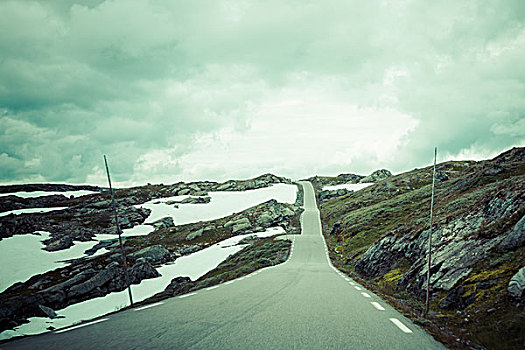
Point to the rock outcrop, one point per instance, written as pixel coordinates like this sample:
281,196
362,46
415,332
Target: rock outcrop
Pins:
516,286
86,284
376,176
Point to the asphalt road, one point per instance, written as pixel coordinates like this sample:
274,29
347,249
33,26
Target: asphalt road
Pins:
302,304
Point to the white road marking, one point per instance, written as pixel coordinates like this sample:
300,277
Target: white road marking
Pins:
148,306
210,288
352,283
366,295
347,279
356,287
82,325
401,326
378,306
186,295
229,282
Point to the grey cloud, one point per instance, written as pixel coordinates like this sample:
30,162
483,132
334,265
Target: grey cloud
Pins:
127,78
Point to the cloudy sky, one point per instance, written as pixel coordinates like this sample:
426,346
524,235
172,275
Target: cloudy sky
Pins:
185,90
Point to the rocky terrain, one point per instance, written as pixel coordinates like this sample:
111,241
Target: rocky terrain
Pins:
379,235
260,253
89,215
94,276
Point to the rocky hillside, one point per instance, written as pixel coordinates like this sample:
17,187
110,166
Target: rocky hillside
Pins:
89,215
478,246
94,276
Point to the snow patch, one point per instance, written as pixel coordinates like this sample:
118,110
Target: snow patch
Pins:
193,265
34,194
350,187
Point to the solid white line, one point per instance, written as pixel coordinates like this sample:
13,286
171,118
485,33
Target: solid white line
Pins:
186,295
366,295
82,325
240,279
229,282
148,306
356,287
401,326
378,306
210,288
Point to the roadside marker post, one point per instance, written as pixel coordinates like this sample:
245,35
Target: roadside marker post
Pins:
119,232
430,235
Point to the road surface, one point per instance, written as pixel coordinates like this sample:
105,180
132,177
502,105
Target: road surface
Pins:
304,303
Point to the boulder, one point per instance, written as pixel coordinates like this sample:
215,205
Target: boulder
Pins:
235,221
238,224
163,223
49,312
195,234
108,274
194,187
225,186
141,270
516,238
58,243
153,253
241,226
376,176
516,287
265,219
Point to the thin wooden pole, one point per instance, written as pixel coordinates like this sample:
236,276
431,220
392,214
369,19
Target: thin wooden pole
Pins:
114,207
430,235
342,251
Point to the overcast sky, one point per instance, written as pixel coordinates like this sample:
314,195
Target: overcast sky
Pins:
188,90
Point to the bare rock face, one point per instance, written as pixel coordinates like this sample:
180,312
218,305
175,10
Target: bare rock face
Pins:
455,249
195,234
516,238
516,286
376,176
155,253
163,223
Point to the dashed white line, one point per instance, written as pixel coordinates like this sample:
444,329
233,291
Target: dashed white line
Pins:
366,295
210,288
400,325
352,283
82,325
378,306
148,306
356,287
186,295
347,279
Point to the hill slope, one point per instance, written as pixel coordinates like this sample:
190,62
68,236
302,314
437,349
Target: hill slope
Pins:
478,246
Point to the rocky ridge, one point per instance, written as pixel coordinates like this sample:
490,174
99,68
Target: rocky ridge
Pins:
478,242
89,215
95,276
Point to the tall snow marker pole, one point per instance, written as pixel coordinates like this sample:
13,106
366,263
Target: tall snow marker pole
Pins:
430,235
114,207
